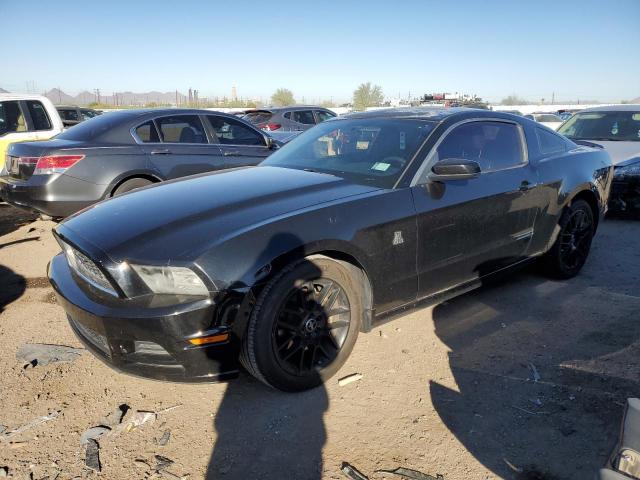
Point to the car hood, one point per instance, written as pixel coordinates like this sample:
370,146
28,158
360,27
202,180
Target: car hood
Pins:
620,152
178,220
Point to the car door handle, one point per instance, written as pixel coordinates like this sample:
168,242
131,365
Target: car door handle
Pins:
160,151
233,153
526,185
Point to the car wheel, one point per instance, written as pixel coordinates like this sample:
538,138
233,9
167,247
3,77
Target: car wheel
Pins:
570,251
131,184
304,324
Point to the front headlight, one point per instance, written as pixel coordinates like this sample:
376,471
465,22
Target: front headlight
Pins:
171,280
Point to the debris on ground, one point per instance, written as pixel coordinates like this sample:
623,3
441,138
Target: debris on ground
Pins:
92,456
354,377
134,421
352,472
30,425
34,354
164,439
162,463
139,462
93,433
512,466
412,474
4,471
534,372
115,418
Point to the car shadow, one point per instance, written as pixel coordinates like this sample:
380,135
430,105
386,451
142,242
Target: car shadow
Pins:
12,286
265,433
542,373
12,218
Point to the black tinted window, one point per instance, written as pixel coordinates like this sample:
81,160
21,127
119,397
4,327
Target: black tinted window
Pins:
68,114
322,115
233,132
181,129
603,126
549,142
287,115
87,113
494,145
39,115
257,117
303,116
147,133
11,118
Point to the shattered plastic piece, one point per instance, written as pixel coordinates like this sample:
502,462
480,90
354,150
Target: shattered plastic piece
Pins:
92,457
412,474
4,471
43,354
137,419
165,438
28,426
534,371
512,466
352,472
93,433
162,462
115,418
354,377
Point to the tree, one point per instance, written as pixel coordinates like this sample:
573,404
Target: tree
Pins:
513,99
282,97
367,95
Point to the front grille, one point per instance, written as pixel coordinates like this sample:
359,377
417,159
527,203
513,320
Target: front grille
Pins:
87,269
94,338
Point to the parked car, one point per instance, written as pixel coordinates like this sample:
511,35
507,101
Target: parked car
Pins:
118,152
74,115
291,118
282,265
550,120
26,118
616,128
513,112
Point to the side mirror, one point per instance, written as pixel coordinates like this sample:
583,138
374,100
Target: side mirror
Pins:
269,142
455,169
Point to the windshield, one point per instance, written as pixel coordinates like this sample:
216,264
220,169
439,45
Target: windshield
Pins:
370,151
610,126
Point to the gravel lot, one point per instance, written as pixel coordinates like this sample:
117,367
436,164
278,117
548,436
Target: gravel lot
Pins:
447,390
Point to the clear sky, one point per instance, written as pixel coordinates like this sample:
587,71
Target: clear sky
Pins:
583,49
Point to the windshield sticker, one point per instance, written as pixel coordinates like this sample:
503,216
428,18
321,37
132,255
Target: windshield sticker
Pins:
362,145
403,140
380,166
614,129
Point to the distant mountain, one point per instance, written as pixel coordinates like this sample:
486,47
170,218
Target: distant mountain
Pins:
635,100
119,98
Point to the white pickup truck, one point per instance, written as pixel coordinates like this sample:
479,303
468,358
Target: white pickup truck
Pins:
26,118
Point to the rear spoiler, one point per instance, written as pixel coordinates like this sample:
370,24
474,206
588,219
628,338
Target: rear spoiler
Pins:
587,143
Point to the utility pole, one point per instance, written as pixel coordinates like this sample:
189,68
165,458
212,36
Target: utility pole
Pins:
553,98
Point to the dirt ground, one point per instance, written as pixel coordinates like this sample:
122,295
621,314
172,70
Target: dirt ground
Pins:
448,390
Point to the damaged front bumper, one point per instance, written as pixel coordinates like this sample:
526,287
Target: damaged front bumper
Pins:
146,337
625,189
625,460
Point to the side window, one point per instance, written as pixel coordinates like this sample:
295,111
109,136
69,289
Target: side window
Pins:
11,118
321,115
181,129
147,133
39,115
494,145
233,132
303,116
549,142
287,115
68,114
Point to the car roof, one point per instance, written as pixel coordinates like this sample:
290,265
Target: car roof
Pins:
427,113
627,107
288,108
20,96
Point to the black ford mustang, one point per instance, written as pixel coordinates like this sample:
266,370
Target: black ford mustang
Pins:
280,266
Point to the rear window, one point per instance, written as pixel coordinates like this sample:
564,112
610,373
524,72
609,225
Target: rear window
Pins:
92,128
11,118
258,117
606,126
39,115
68,114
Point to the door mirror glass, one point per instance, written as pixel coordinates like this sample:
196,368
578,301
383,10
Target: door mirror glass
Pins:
455,169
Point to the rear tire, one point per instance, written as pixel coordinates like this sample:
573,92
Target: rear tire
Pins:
571,249
304,324
131,184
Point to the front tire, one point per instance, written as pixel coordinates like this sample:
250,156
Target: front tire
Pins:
571,249
304,324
